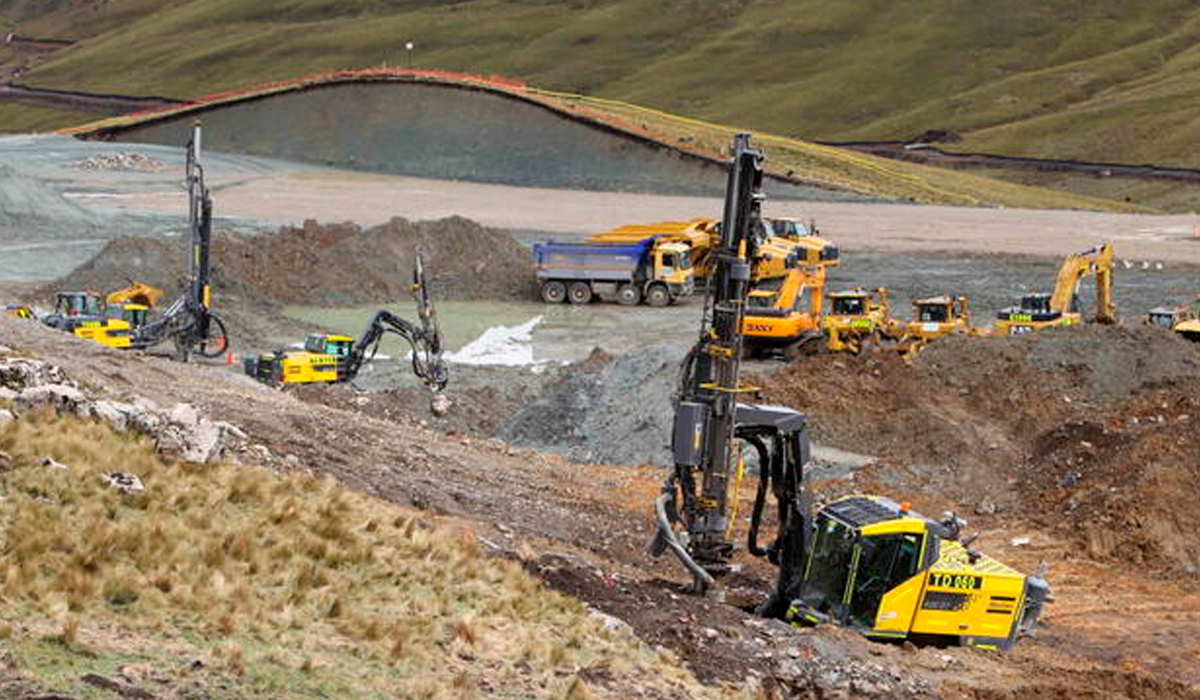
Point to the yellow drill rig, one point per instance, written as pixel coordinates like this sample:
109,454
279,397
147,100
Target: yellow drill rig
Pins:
1061,306
862,562
333,358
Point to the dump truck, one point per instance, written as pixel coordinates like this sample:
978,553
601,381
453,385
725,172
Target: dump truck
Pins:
863,562
654,270
778,250
1060,307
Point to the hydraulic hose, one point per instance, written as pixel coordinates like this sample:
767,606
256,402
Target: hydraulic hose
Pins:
668,536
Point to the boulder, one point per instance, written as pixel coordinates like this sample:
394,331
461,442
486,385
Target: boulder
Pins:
61,397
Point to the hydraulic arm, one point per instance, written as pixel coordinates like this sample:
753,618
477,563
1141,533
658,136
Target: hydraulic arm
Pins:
424,339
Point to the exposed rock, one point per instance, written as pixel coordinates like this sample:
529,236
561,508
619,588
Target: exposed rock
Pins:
51,464
61,397
124,482
6,417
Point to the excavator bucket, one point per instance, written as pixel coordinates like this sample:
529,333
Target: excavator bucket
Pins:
136,293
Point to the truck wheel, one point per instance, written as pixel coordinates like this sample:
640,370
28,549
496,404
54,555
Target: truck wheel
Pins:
579,293
554,292
658,296
629,295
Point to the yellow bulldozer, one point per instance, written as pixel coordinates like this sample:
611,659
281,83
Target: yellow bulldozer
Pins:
933,318
857,318
1061,306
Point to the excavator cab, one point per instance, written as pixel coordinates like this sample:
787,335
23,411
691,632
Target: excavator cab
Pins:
1163,317
135,315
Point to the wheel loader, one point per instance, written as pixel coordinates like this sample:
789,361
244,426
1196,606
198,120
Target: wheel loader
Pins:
1060,307
334,358
863,562
857,318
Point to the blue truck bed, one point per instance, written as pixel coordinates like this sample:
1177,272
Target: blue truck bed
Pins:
590,261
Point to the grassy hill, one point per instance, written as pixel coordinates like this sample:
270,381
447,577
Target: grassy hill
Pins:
231,582
1106,80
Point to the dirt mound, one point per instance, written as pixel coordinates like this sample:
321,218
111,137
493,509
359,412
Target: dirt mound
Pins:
330,265
611,411
1088,430
318,265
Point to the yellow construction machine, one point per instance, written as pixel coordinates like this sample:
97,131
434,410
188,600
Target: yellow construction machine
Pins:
933,318
330,358
86,315
782,244
1180,319
19,311
138,293
863,562
857,317
1061,306
784,314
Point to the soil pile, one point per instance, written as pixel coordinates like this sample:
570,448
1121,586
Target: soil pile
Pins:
1089,429
610,411
319,265
330,265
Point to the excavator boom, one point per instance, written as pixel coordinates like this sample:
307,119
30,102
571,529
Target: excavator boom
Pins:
1096,261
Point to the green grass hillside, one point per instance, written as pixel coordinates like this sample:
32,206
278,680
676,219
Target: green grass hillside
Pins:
1107,79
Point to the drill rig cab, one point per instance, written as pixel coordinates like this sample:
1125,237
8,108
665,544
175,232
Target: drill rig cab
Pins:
85,315
879,568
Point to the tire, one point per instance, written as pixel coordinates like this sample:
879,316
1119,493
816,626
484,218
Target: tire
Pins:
579,293
554,292
658,296
629,295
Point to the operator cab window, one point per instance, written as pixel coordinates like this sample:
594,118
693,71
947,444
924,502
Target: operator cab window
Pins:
849,307
933,313
829,568
685,261
884,562
668,263
1161,320
338,348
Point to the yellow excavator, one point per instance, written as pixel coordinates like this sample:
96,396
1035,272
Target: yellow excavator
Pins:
783,314
856,318
862,562
1180,319
1061,307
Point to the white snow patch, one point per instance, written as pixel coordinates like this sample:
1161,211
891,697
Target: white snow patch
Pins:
511,346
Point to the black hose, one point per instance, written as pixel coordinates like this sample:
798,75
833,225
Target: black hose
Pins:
668,536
